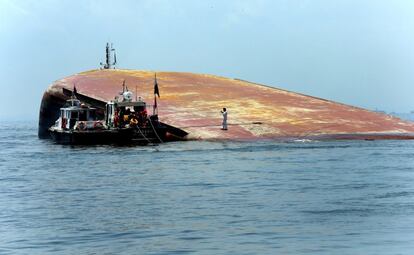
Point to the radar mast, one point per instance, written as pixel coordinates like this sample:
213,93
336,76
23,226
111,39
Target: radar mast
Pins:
110,50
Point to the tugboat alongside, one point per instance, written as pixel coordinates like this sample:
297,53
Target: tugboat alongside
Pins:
126,122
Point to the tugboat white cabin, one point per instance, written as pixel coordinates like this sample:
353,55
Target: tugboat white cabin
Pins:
76,115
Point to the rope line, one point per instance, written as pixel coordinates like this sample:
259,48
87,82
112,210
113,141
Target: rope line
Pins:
150,121
143,135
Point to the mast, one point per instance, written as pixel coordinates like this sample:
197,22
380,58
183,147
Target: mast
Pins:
108,57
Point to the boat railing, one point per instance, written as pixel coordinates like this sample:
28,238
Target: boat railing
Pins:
89,125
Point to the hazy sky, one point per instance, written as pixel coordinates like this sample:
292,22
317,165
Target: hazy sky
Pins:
352,51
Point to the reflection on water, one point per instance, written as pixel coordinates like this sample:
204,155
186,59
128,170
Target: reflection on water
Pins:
205,197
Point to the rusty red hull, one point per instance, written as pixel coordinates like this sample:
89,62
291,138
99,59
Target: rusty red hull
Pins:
193,102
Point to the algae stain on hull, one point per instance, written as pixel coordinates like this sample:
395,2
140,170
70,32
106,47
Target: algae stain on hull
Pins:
193,102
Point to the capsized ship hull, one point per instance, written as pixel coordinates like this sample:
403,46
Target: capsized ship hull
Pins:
193,102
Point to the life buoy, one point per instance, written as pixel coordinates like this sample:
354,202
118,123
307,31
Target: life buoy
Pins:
81,125
133,122
97,125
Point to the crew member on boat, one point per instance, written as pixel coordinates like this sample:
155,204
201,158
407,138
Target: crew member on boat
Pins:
127,115
224,112
142,115
116,118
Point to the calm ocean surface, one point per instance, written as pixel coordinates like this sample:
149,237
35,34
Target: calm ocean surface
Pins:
205,197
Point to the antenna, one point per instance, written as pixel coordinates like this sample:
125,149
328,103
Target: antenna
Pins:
112,49
74,91
108,55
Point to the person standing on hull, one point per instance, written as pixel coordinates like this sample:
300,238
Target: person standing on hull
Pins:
224,112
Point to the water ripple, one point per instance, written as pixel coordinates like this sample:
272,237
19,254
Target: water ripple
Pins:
292,197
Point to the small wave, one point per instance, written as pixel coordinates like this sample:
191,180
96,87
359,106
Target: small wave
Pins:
340,211
396,194
191,238
353,186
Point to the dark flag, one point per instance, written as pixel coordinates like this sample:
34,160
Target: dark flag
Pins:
123,87
74,90
156,90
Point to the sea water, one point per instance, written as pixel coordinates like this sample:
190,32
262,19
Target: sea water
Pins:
299,197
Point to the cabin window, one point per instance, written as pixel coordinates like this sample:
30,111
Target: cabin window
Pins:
92,115
82,116
139,108
74,115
